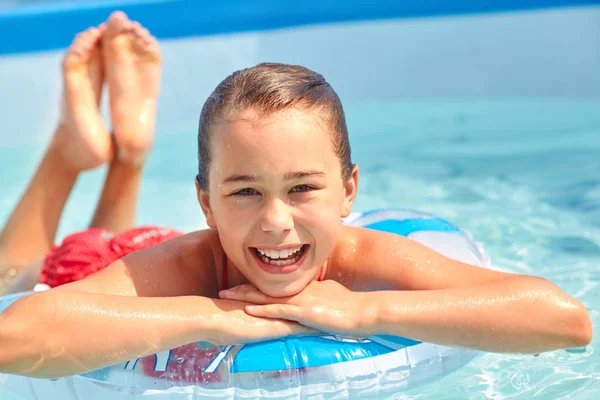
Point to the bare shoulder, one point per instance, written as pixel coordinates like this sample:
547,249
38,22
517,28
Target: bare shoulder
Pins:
360,253
345,264
181,266
366,259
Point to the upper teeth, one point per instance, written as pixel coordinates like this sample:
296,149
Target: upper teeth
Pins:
285,253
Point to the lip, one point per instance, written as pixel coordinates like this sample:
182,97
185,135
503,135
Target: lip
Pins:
275,269
287,246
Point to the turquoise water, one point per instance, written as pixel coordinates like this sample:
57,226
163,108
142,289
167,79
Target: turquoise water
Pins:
522,175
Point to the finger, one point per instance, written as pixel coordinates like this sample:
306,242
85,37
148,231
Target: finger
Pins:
237,290
282,311
282,329
297,329
246,293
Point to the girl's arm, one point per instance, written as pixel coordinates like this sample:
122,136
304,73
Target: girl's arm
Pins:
374,260
400,287
147,302
518,315
436,298
59,333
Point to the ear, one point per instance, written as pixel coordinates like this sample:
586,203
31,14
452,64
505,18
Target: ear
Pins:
350,191
204,201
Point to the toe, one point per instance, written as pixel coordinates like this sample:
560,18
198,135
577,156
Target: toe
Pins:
89,35
139,30
152,43
142,34
82,45
148,47
94,33
89,38
117,23
117,17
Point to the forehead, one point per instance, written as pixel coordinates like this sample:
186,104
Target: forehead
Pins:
287,140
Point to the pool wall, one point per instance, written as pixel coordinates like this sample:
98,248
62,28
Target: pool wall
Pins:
368,50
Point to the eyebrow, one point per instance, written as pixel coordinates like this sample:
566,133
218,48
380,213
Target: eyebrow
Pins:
289,176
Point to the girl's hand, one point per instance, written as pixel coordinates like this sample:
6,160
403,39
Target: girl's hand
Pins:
326,306
232,325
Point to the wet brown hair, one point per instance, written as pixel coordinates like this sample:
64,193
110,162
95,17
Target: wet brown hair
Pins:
269,88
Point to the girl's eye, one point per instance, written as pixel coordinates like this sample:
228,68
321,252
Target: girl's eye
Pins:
302,188
245,192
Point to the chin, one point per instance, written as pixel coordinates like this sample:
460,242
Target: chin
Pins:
288,290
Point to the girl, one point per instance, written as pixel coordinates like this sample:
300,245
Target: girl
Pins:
274,180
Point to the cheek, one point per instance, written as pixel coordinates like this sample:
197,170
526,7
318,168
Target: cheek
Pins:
323,217
233,226
234,214
324,227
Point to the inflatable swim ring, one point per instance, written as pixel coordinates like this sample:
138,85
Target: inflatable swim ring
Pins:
296,367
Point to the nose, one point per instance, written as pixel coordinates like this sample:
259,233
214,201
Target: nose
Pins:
276,216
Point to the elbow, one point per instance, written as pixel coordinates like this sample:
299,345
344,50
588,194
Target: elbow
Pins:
580,326
20,353
10,350
567,319
6,358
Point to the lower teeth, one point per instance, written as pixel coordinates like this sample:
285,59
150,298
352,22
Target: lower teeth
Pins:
271,261
279,262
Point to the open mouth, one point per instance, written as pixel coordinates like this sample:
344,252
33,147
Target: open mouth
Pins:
280,258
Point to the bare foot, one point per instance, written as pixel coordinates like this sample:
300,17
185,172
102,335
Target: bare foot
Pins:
132,62
82,136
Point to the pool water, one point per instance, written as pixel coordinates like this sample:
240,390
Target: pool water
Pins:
523,176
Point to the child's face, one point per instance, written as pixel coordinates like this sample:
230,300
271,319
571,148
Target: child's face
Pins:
276,189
